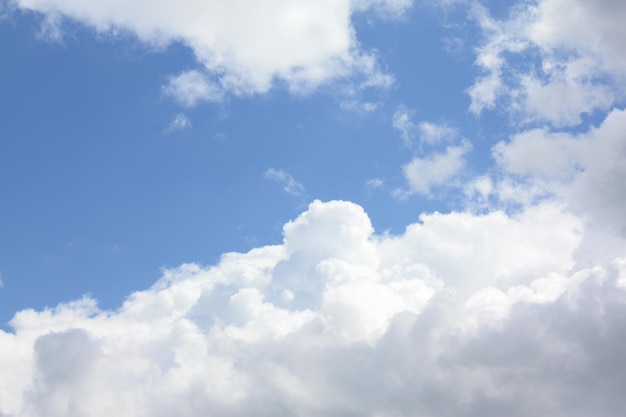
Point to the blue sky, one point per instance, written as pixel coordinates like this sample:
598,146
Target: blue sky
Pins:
102,193
347,207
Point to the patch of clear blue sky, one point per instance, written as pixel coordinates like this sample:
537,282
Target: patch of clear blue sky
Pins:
96,198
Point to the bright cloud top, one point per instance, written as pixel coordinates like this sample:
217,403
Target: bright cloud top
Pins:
339,321
244,45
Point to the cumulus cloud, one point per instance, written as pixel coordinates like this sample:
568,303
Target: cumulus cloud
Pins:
460,314
551,60
586,170
435,169
245,46
290,185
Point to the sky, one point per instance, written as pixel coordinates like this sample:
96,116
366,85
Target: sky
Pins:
384,208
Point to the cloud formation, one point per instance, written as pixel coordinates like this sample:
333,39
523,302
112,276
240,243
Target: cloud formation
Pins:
586,170
435,169
244,46
180,122
460,314
290,185
513,306
551,60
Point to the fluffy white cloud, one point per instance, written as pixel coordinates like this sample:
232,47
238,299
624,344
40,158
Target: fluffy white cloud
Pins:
585,170
460,314
244,45
552,60
435,169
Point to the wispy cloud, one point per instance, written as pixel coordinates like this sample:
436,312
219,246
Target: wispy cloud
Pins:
374,183
192,87
180,122
401,122
426,132
290,185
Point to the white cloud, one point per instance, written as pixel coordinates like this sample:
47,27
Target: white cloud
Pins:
390,8
585,170
181,122
428,132
401,121
374,183
562,101
433,133
50,29
244,45
290,185
435,169
551,60
191,87
460,314
540,153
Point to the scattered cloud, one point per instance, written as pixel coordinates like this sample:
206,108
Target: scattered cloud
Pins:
429,133
192,87
513,305
50,29
358,106
551,60
387,8
433,133
401,121
435,169
290,185
374,183
180,122
585,169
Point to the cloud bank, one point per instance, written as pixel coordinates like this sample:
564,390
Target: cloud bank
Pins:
461,314
243,46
